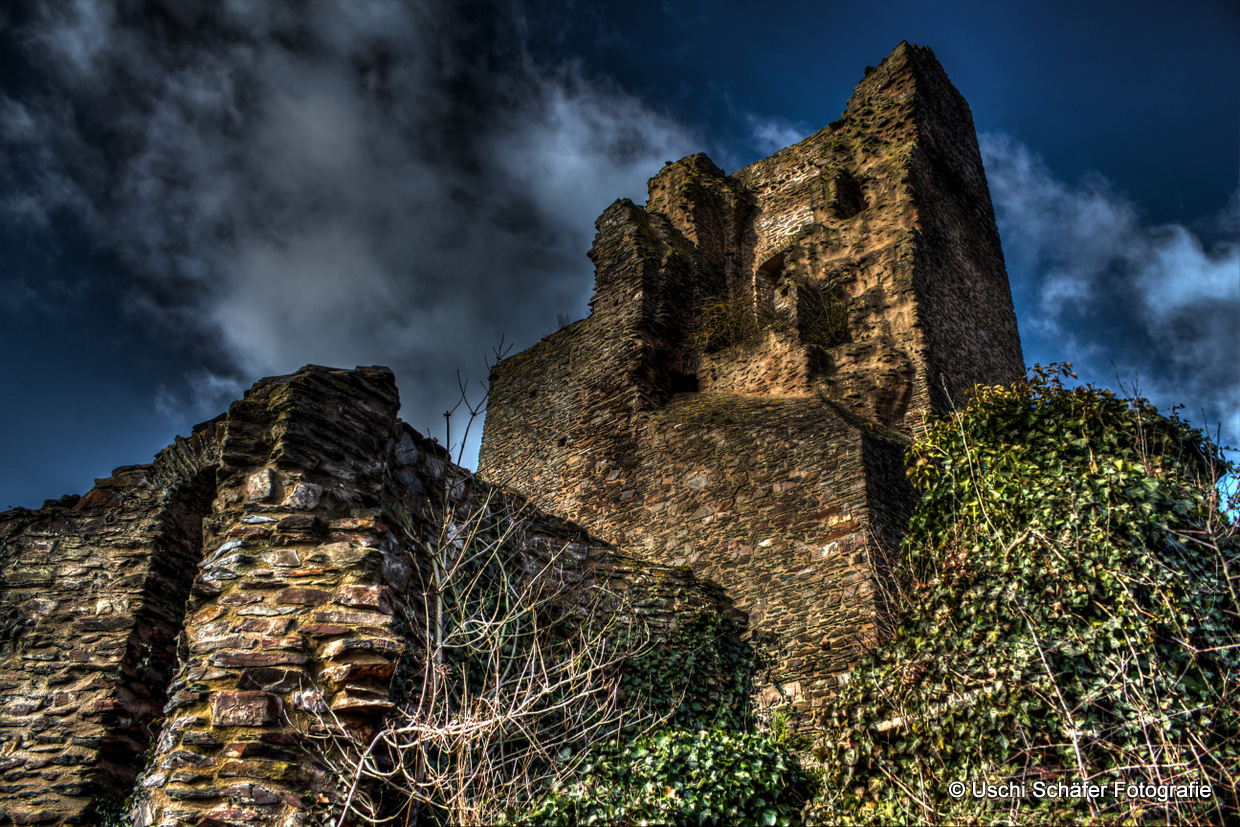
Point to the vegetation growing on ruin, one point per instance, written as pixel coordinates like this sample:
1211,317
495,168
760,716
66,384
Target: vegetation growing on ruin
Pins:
535,694
822,318
702,676
822,315
685,777
731,321
1071,613
707,763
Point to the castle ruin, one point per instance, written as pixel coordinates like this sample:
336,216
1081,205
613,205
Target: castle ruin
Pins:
761,347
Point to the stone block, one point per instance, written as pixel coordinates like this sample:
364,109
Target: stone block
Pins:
262,486
378,671
303,596
251,794
233,660
367,704
355,645
245,709
370,597
272,626
305,496
272,679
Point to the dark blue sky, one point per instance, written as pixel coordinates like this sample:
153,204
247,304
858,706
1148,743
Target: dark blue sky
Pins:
196,195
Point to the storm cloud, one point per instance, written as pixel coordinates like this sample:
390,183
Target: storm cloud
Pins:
361,183
263,185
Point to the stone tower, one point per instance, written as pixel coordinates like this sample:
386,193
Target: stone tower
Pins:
760,348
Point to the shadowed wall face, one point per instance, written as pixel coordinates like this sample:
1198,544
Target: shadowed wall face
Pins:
760,349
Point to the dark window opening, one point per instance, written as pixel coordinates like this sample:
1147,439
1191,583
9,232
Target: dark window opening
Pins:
769,298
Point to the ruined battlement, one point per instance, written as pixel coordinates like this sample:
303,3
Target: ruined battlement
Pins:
760,348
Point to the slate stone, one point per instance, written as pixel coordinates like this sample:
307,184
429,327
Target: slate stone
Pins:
244,709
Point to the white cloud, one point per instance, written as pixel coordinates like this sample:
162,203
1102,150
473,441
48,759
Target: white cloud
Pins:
1175,273
769,135
1106,286
553,148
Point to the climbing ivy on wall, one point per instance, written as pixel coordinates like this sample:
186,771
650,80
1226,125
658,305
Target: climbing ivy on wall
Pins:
701,677
685,777
705,764
1071,594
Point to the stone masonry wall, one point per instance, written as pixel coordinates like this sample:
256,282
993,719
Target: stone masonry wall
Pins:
189,624
92,596
868,258
207,610
767,497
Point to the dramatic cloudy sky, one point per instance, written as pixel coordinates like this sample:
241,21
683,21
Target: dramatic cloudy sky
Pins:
194,195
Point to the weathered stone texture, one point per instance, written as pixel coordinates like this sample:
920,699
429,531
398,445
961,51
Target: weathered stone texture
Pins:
92,596
868,258
215,605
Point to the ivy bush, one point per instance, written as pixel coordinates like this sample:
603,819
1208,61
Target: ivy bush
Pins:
701,676
1071,613
685,777
704,765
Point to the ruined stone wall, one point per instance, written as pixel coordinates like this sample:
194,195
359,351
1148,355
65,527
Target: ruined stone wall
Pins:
964,299
92,596
710,210
260,574
867,258
191,623
893,188
290,609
